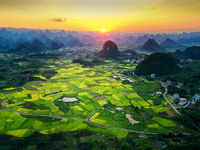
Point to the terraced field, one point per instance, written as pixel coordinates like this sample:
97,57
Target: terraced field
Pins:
102,106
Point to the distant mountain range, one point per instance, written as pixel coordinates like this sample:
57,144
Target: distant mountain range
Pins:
50,40
11,38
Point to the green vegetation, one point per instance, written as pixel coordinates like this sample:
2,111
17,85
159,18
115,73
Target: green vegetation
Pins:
189,76
157,63
189,53
93,88
16,72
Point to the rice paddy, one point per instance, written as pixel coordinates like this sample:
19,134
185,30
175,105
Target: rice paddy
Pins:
77,92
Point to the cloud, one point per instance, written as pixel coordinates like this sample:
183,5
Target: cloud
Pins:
58,19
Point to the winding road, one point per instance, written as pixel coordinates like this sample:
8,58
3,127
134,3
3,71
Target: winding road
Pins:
86,120
164,95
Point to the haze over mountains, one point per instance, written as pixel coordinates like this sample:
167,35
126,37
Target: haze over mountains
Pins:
11,38
169,43
151,46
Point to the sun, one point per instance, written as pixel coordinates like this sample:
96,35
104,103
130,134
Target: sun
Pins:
103,30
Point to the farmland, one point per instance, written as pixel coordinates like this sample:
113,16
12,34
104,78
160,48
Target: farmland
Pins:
101,107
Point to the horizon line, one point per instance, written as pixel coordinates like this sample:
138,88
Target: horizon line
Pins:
137,31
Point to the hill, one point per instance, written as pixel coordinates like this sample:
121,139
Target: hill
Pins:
151,46
189,53
156,63
110,49
169,43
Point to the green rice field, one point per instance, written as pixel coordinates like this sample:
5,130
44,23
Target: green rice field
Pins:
38,107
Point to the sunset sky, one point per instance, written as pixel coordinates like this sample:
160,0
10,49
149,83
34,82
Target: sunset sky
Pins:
92,15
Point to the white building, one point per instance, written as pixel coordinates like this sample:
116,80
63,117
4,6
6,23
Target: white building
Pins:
158,93
182,103
182,99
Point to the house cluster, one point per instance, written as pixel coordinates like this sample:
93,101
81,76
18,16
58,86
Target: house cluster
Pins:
158,93
123,78
182,101
186,60
77,48
133,61
180,85
129,54
168,82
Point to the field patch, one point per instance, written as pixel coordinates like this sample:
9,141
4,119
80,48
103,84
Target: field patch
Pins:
122,134
164,122
20,133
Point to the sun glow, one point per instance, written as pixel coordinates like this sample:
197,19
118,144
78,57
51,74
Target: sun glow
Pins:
103,30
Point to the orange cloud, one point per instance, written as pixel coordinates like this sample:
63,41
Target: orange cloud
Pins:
58,19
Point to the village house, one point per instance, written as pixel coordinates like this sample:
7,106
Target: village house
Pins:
180,85
158,93
196,97
133,61
168,82
176,96
127,61
182,101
